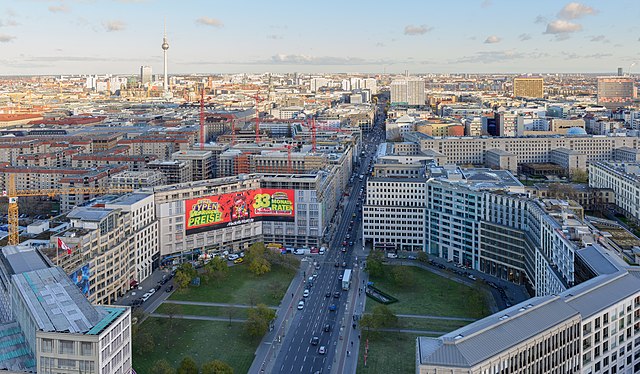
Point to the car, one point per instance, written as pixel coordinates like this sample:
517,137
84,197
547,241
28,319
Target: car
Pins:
327,328
305,293
322,350
392,255
151,291
344,264
146,297
336,294
351,244
164,280
169,288
315,275
315,340
339,276
344,249
337,264
317,266
233,257
411,257
301,305
328,294
158,287
238,260
348,236
241,254
332,307
344,243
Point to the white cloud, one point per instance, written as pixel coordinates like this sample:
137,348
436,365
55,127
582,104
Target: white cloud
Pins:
208,21
492,39
576,10
59,8
523,37
8,22
4,38
114,26
575,56
600,38
486,4
540,19
561,28
417,30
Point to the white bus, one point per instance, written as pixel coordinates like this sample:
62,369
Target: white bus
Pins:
346,279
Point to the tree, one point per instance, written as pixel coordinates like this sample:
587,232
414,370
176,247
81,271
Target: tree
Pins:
188,366
256,250
580,176
401,276
162,367
384,317
143,343
368,324
171,310
374,264
181,280
423,257
216,269
258,320
217,367
259,266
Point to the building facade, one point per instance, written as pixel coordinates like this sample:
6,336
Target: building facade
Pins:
528,87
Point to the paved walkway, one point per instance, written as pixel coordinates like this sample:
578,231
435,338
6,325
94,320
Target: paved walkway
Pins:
202,303
437,317
199,318
414,331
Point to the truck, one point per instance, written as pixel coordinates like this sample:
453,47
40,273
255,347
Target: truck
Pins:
346,279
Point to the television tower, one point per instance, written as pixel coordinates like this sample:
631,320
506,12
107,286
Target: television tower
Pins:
165,46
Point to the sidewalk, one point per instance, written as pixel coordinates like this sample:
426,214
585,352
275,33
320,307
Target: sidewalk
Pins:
270,345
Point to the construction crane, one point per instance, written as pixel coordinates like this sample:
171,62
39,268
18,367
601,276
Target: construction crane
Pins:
314,128
12,193
202,119
258,100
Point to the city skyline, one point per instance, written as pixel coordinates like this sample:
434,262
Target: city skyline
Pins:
483,36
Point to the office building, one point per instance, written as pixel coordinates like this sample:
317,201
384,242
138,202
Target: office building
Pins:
621,177
145,75
137,179
201,163
174,171
616,92
528,87
590,328
48,325
408,92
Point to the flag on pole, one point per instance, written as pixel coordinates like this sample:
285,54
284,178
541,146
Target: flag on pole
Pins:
64,246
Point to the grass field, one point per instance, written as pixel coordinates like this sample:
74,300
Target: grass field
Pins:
429,324
431,294
202,340
200,310
389,353
241,287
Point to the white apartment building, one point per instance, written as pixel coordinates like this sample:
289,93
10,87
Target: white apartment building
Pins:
591,328
623,179
144,227
408,92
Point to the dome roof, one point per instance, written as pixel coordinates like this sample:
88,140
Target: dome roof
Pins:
576,131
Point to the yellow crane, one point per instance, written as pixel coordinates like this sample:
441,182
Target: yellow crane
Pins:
13,194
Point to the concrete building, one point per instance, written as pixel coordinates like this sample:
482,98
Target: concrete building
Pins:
48,326
467,150
499,159
589,328
146,75
507,123
616,92
408,92
174,171
528,87
201,163
568,159
137,179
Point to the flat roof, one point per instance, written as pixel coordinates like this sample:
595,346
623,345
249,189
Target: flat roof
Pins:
55,302
20,259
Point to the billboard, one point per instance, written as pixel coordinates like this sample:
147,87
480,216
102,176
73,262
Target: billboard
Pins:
231,209
81,278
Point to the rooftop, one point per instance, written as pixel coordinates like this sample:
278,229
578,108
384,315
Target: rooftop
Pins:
20,258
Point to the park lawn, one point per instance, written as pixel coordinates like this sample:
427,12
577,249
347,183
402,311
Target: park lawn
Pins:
389,353
202,340
431,294
429,324
241,287
202,310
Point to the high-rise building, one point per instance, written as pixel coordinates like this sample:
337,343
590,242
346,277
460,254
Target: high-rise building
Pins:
530,87
145,74
614,92
408,92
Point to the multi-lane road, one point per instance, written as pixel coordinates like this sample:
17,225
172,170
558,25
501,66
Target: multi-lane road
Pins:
297,353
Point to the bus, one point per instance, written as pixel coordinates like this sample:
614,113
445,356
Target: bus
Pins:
346,279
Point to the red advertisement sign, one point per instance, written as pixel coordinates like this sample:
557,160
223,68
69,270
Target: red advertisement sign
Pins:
218,211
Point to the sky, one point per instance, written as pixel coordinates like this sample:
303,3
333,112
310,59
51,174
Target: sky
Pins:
305,36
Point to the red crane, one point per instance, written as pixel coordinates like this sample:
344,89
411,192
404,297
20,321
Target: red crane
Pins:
315,127
258,100
233,132
202,119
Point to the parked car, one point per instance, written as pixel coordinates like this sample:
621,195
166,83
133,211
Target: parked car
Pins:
170,288
392,255
301,305
238,260
305,293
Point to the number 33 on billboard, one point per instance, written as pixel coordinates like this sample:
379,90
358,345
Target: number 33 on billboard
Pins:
262,200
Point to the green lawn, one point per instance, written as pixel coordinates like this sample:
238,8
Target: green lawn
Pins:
431,294
429,324
202,340
389,353
241,287
201,310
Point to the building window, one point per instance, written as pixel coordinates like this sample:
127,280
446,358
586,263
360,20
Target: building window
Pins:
66,347
47,345
86,348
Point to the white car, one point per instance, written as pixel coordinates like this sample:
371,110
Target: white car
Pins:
146,297
322,350
392,255
300,305
305,293
233,257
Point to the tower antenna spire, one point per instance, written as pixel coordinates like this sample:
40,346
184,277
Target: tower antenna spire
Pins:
165,46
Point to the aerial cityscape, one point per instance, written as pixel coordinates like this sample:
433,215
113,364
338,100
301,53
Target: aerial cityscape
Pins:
299,187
